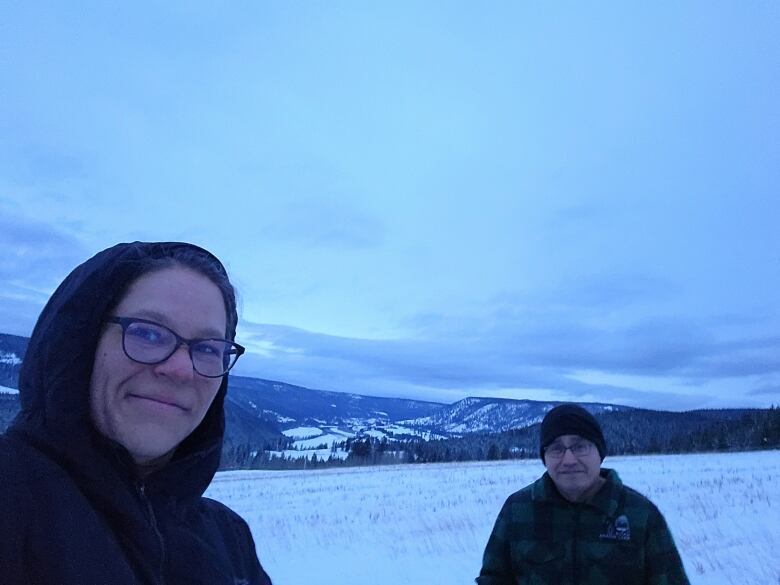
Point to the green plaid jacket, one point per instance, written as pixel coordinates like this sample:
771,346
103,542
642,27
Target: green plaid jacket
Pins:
618,538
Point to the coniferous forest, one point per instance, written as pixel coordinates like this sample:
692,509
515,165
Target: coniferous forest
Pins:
627,433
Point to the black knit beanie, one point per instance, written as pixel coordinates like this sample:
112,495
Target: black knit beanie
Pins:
571,419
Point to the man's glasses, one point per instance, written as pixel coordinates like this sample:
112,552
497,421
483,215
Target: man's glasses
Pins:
558,450
147,342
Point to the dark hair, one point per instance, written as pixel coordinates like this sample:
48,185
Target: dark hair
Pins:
196,259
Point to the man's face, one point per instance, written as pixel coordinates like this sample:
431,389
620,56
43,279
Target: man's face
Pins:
573,475
150,409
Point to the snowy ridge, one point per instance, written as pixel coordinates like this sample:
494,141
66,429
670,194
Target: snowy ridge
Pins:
474,415
9,358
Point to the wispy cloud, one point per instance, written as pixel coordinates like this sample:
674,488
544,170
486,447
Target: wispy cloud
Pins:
36,252
324,223
39,165
35,257
506,353
767,390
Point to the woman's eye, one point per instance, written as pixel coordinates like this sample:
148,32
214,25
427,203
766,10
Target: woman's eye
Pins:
209,349
146,333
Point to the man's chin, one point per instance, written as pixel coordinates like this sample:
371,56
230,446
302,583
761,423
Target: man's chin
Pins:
572,479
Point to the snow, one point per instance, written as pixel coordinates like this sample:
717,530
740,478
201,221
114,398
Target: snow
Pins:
411,524
327,439
9,358
399,430
6,390
375,433
302,432
279,417
395,429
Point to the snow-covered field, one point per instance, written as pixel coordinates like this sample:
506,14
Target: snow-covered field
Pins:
412,524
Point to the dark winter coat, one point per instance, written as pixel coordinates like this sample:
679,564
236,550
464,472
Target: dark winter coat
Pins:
73,510
618,538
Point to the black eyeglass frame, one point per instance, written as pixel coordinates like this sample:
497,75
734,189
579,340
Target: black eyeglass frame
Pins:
583,443
238,350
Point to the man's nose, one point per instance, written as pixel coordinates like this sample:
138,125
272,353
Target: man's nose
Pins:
568,457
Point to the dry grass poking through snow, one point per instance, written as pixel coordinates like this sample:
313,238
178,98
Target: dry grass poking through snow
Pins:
429,523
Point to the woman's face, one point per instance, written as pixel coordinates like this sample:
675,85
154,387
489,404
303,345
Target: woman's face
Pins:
150,409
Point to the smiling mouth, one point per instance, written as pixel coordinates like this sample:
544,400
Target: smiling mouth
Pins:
160,401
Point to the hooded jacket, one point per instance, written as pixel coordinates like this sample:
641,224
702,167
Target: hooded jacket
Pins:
73,509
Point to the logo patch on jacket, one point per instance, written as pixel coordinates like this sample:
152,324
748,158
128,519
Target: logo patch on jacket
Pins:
619,529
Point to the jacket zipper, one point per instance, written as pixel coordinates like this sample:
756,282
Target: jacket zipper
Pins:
153,521
575,574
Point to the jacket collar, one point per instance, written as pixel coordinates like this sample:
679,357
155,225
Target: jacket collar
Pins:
606,500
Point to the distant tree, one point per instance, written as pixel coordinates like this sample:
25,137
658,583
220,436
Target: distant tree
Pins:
360,449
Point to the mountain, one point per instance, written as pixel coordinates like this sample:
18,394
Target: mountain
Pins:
12,350
481,415
627,431
258,411
269,414
292,422
290,405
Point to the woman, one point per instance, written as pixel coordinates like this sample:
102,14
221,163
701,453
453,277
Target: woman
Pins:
120,432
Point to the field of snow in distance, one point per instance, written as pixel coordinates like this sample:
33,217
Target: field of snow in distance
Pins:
6,390
302,432
327,439
412,524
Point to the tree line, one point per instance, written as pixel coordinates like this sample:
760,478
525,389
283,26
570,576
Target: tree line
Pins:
627,433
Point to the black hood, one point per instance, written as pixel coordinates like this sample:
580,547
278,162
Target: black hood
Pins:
55,376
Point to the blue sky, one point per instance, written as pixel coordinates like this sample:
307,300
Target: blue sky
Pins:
430,200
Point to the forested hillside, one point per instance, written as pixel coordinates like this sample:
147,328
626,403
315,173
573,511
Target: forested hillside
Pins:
626,433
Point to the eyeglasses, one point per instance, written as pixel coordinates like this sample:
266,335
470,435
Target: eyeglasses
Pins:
558,450
147,342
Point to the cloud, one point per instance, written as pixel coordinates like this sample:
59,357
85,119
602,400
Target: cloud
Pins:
616,290
772,390
19,313
38,165
505,351
36,252
34,258
328,223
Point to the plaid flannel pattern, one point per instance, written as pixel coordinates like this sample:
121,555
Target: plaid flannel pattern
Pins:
618,538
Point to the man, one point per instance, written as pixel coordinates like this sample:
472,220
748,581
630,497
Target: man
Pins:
578,524
122,392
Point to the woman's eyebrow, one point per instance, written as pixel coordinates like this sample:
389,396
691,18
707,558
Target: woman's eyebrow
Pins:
152,315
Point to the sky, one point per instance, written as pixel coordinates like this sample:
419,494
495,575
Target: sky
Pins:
426,200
